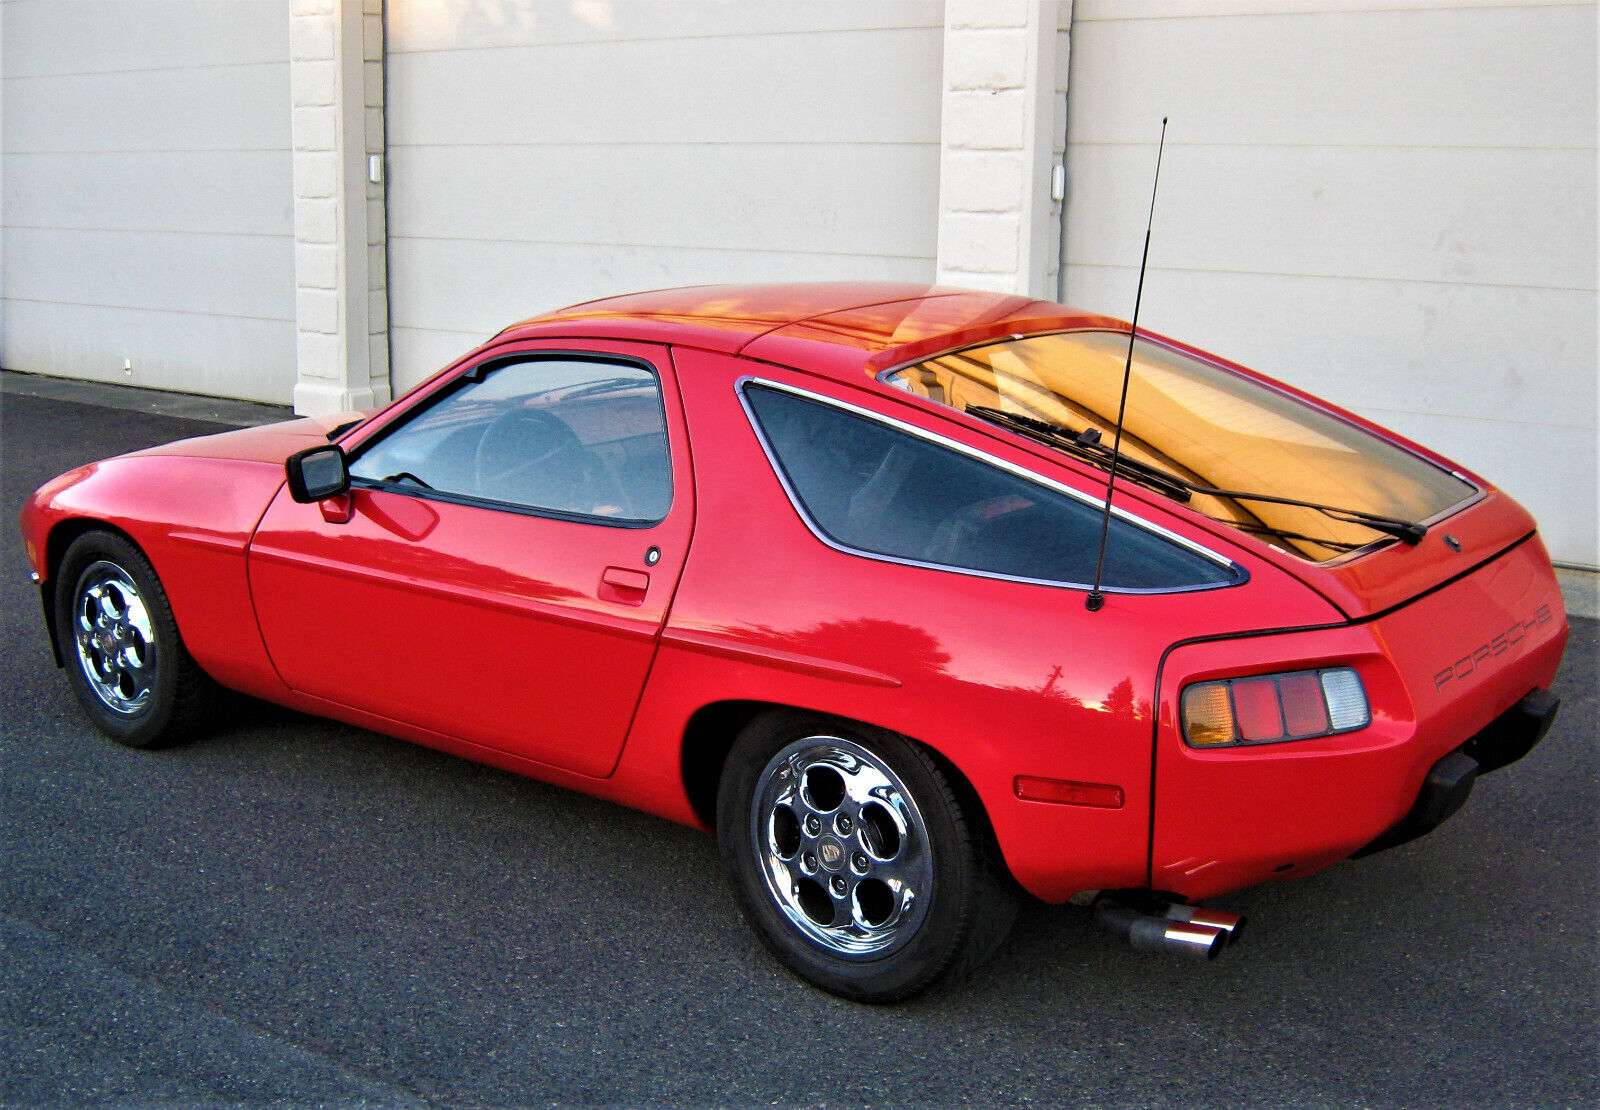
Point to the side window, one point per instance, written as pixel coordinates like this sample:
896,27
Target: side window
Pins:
562,435
873,488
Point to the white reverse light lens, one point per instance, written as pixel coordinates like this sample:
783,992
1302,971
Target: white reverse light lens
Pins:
1347,699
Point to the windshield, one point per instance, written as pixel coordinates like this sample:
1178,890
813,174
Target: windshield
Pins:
1205,425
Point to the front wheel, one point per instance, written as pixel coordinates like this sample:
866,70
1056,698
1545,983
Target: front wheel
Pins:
124,657
854,858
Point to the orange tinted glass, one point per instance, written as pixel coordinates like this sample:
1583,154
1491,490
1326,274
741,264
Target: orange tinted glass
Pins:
1209,426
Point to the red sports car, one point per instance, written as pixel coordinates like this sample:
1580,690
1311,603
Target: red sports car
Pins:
816,566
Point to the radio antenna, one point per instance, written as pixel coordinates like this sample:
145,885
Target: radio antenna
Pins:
1096,599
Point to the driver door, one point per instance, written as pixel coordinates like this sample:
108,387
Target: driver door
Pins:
511,548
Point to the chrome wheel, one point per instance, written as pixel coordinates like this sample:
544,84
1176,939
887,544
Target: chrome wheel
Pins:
115,641
843,849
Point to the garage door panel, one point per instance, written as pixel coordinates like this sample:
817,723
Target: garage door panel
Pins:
183,351
466,24
142,190
1447,77
1497,216
803,87
229,275
1499,379
108,35
240,107
542,154
1470,352
1391,204
837,199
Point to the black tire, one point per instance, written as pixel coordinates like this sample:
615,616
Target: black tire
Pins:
123,654
854,859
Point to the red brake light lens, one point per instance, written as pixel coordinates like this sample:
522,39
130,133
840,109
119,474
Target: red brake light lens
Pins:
1273,708
1304,711
1257,709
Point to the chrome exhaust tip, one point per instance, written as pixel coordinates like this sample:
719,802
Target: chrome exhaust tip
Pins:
1229,924
1150,933
1202,942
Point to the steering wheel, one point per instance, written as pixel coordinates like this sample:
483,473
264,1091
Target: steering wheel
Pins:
514,446
533,458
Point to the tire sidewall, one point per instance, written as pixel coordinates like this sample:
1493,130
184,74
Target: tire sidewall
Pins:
146,727
942,932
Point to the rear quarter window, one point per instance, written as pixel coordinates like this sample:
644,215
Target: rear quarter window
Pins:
872,488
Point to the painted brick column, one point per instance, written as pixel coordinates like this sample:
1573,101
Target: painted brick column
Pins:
341,291
1003,129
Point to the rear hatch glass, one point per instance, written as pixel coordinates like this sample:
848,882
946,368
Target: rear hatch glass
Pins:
1190,423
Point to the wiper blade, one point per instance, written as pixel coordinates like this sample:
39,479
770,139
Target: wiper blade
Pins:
1086,445
1406,531
407,476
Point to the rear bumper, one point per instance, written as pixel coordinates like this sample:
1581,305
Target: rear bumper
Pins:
1507,739
1448,677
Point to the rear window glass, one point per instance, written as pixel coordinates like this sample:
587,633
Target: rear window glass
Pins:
1208,426
872,488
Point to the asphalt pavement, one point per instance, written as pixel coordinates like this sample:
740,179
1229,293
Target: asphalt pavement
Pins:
295,913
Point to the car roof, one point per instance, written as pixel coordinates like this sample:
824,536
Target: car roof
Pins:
839,328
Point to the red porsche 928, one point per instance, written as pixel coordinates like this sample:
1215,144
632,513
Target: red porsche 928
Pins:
813,566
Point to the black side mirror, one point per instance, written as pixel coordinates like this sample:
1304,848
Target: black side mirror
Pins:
317,473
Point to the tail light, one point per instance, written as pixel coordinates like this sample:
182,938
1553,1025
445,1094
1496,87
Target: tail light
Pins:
1272,708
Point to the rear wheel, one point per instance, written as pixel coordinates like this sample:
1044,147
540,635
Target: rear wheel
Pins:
855,860
124,657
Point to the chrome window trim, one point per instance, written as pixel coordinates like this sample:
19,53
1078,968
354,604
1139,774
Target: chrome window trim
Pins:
743,384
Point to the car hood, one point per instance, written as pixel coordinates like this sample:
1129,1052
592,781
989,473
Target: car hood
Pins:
270,443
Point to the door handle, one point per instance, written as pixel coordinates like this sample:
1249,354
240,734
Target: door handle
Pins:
623,586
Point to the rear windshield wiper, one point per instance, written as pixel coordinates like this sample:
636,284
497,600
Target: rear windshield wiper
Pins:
1086,445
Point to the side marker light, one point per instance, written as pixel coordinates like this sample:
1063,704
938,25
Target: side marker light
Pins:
1062,792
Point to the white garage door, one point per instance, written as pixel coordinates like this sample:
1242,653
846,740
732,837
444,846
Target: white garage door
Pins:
147,194
546,153
1389,203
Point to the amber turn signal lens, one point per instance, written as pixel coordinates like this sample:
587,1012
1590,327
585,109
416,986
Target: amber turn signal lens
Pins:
1208,715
